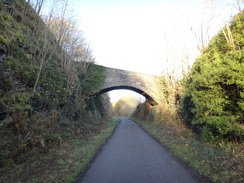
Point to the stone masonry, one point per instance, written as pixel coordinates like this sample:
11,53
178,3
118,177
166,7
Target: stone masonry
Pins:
141,83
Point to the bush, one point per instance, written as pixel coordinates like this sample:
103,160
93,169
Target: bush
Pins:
213,102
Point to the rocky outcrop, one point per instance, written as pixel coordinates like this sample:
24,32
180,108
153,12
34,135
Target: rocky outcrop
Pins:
7,2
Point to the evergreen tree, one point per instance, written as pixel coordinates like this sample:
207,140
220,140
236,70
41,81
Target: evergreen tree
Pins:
213,102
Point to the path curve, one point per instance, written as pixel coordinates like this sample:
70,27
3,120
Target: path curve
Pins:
133,156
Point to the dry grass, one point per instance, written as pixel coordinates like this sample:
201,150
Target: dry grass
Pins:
222,162
61,163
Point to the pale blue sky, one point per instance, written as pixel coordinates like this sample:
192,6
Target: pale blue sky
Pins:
140,35
127,34
143,35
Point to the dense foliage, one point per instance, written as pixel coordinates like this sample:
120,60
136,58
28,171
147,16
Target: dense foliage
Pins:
213,102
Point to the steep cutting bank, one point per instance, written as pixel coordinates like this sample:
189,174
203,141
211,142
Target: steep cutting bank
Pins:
46,79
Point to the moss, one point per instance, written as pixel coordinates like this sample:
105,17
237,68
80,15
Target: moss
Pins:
16,102
18,53
8,162
19,5
5,21
10,30
1,6
6,18
5,83
3,40
24,70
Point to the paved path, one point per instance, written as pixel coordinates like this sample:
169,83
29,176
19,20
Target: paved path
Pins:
133,156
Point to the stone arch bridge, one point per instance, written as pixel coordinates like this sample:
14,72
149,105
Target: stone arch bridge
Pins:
143,84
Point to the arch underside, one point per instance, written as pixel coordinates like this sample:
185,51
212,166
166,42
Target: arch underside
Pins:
148,97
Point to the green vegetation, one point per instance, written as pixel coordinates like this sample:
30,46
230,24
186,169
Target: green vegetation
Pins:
93,85
200,119
221,162
46,84
210,99
53,126
213,101
124,107
64,161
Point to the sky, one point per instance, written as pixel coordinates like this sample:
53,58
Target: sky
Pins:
126,34
142,35
148,36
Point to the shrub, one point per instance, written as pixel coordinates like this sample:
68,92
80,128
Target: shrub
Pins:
213,102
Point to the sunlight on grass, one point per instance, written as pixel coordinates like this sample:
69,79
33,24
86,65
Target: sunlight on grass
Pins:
222,162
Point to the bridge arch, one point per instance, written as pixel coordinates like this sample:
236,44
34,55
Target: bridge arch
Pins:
144,84
149,99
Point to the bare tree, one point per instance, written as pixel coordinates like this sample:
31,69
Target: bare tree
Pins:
75,52
237,4
75,55
37,5
202,19
46,49
63,41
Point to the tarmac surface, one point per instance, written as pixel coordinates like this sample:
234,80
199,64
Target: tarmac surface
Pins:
133,156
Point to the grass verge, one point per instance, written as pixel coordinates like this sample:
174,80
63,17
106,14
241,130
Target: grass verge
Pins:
62,163
222,162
